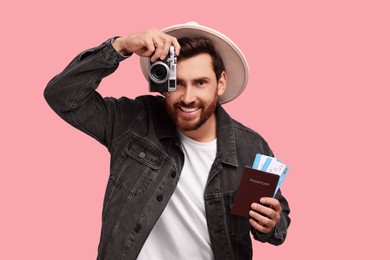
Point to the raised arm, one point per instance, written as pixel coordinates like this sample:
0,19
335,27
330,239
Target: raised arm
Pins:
72,93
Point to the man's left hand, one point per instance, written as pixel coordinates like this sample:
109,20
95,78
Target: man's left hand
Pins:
266,215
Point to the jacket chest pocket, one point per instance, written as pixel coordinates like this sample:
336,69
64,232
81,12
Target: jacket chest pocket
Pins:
137,167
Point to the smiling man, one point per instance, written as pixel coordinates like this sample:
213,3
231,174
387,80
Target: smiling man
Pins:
176,159
193,104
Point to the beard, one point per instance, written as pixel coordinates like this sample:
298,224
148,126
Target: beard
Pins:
191,123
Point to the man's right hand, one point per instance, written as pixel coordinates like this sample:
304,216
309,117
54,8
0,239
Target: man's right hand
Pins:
152,43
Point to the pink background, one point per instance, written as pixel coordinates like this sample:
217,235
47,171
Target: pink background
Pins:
318,92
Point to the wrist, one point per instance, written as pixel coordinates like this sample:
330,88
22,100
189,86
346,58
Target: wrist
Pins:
117,44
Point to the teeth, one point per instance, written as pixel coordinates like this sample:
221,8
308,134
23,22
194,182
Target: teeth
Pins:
189,109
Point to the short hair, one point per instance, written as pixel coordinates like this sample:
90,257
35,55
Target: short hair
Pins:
190,47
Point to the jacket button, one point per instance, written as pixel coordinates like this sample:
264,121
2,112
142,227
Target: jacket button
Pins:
173,174
159,197
141,154
138,228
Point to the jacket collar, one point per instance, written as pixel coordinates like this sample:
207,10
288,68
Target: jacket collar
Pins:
226,138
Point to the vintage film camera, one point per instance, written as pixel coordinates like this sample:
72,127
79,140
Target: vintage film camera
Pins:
162,73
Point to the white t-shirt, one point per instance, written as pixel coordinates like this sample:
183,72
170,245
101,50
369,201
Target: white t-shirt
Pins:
181,231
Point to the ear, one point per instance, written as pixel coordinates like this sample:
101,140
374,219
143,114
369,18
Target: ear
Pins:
222,82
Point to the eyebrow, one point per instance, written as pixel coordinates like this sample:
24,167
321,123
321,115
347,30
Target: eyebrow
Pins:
195,79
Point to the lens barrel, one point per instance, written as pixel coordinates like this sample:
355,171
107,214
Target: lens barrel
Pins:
159,72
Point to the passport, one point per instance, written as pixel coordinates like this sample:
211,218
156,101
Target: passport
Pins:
254,185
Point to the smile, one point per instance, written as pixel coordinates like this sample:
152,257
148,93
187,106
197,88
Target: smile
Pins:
189,109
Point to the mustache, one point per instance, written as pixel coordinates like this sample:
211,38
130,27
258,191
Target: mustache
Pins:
190,105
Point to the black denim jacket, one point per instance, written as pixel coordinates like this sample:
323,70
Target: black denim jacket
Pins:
146,161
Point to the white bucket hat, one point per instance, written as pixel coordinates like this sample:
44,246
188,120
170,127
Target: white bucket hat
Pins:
236,66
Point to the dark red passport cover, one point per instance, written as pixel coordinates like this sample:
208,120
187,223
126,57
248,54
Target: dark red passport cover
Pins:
254,185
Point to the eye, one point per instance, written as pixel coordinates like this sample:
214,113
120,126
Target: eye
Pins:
201,82
179,83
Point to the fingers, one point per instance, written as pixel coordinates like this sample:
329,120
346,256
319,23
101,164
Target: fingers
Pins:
176,45
260,225
163,42
264,213
151,43
148,47
272,203
265,217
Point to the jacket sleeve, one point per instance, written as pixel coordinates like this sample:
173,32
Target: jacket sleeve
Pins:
72,93
278,235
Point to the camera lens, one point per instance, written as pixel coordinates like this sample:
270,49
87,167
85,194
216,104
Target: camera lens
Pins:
159,72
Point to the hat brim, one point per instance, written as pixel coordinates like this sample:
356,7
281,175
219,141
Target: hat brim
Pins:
236,66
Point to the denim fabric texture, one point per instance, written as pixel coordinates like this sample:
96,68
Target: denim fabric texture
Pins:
146,161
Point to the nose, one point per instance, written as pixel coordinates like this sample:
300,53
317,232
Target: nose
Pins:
188,95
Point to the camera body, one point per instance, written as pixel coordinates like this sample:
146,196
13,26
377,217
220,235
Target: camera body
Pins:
162,73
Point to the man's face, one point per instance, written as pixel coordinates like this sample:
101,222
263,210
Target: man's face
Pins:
193,103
